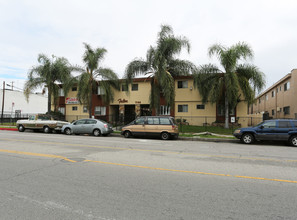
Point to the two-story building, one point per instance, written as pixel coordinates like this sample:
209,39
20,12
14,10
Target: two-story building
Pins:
279,100
133,100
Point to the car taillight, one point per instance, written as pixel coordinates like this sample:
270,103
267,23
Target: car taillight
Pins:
173,127
105,125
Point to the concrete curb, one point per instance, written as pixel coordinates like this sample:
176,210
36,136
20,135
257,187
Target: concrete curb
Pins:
179,138
9,129
208,139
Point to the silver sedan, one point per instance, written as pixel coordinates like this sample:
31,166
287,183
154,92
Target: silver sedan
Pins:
88,126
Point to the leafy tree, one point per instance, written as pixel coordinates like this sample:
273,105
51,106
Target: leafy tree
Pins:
88,80
48,74
161,66
215,85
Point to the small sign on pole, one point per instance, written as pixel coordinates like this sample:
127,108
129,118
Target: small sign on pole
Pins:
232,119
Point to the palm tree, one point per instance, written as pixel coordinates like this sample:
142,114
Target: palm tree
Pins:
48,74
161,66
215,85
87,81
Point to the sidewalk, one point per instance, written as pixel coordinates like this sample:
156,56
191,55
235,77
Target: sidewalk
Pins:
180,138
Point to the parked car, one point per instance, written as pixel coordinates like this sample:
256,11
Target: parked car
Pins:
40,122
272,130
88,126
160,126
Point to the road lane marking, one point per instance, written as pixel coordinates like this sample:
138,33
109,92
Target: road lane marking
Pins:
144,167
193,172
36,154
155,151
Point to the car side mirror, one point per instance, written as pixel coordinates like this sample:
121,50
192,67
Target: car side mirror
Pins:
261,127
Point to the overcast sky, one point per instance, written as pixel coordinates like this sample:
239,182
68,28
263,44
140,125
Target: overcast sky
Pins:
126,28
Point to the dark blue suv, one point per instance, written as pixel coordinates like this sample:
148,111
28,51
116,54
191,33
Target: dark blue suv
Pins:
270,130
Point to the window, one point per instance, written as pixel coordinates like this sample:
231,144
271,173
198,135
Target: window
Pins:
80,122
276,90
85,109
182,108
284,124
165,121
280,88
62,110
266,97
272,112
287,86
74,108
100,90
269,124
260,100
164,110
139,121
134,87
61,92
91,122
200,106
182,84
100,110
272,93
74,89
287,110
124,87
153,121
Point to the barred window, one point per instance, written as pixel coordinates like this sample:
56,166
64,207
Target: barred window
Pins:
182,108
100,110
164,110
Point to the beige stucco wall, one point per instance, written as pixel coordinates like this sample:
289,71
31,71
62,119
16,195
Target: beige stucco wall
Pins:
133,97
281,99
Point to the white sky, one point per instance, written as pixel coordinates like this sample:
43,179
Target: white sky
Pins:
126,28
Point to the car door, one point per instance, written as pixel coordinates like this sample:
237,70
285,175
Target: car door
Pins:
138,128
151,126
283,129
78,126
89,126
267,131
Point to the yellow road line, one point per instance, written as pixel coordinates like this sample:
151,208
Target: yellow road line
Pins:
194,172
144,167
154,151
36,154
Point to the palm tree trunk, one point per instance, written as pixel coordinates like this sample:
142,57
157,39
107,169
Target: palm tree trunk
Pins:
49,100
226,112
90,103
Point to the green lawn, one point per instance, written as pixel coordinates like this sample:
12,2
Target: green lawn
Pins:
212,129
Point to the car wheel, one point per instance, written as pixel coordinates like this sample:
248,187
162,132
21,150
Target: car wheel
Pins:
293,140
165,136
21,128
247,138
46,129
97,132
127,134
67,131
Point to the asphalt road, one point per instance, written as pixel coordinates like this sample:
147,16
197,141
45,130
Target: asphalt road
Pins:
54,176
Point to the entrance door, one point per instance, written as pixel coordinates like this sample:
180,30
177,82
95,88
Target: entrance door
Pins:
129,113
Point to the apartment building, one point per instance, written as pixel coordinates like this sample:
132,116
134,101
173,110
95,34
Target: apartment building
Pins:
133,100
279,100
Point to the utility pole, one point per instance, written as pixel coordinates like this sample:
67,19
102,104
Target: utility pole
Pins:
3,102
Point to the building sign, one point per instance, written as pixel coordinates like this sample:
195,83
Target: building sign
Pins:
122,100
72,100
137,102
